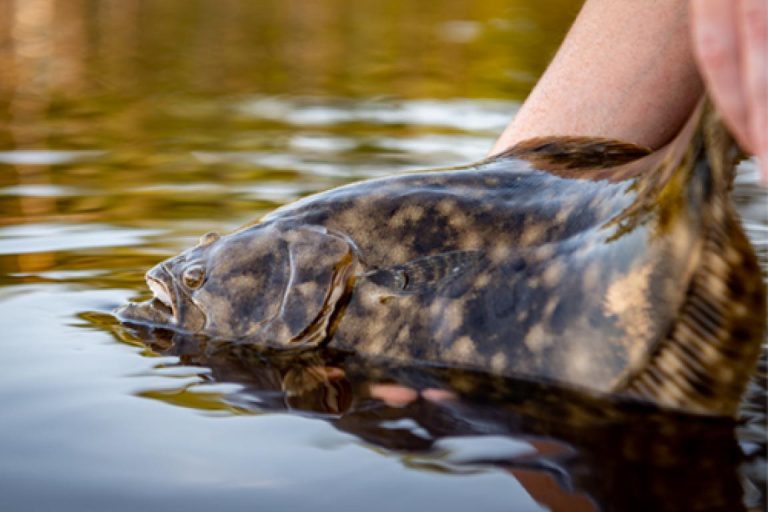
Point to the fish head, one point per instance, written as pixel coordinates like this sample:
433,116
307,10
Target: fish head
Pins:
275,285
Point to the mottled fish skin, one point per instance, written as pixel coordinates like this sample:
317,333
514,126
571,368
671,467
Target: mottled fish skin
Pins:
619,273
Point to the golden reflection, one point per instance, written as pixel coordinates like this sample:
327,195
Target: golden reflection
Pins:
114,75
35,262
68,66
192,399
402,48
150,82
115,56
32,48
32,68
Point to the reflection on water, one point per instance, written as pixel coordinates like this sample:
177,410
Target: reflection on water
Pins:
561,446
128,128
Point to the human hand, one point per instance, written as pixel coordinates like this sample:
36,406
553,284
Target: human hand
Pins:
730,41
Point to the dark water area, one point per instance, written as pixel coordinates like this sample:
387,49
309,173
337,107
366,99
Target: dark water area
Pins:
128,128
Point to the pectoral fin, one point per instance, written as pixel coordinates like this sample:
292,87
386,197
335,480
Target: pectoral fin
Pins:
428,273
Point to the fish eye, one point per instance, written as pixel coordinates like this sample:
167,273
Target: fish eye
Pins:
193,276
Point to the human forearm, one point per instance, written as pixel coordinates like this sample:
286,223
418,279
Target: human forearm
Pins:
624,71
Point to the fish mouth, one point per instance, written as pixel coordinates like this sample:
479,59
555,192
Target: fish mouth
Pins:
160,310
163,299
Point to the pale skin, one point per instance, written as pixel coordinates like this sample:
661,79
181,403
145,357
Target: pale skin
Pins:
632,70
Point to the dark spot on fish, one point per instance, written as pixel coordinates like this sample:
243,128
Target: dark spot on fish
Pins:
736,285
704,386
560,315
741,333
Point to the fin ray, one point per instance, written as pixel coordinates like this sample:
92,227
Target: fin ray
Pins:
427,273
725,331
572,153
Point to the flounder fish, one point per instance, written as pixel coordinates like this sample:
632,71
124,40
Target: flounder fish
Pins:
585,262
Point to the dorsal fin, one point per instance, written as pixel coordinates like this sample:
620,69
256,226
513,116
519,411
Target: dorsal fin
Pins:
572,153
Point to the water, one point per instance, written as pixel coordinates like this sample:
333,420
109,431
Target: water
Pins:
129,128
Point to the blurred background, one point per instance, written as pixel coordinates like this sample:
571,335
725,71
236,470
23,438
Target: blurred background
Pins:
139,112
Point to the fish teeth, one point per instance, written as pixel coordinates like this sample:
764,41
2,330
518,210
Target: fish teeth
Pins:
160,292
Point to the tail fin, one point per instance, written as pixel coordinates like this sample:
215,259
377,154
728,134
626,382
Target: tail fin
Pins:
704,362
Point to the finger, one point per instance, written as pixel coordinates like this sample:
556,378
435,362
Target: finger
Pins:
753,20
716,46
394,395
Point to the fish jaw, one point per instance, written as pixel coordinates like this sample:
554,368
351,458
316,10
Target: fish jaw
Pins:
153,312
167,308
160,310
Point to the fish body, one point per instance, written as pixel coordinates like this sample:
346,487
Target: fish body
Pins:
585,262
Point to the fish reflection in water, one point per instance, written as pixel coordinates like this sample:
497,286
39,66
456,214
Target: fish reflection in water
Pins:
571,451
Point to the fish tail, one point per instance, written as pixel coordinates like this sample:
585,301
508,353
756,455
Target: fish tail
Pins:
705,361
